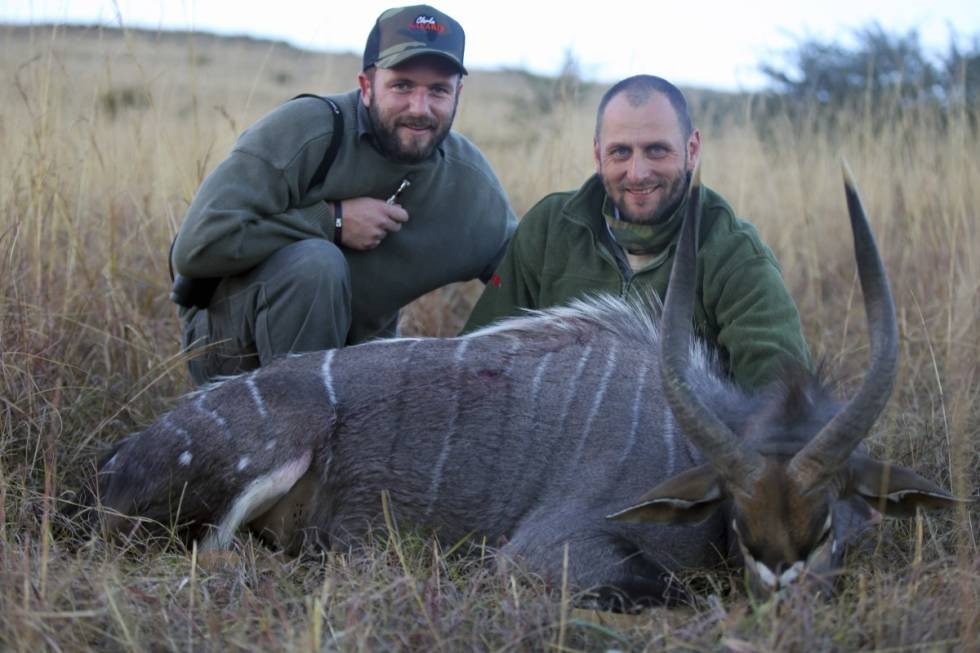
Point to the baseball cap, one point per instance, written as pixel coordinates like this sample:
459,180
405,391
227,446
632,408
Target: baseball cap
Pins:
405,32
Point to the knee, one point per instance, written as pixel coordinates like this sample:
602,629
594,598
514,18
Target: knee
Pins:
312,264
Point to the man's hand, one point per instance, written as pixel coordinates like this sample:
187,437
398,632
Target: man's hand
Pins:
368,221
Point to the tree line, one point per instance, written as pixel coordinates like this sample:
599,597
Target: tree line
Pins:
886,70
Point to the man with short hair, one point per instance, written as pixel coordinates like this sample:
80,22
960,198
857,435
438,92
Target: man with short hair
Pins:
306,261
618,232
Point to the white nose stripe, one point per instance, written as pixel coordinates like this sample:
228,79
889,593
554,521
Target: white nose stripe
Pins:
767,576
791,574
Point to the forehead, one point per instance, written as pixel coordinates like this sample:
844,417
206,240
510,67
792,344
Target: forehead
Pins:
652,119
779,520
422,70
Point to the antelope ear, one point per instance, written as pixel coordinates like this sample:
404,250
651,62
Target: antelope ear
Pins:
894,490
687,498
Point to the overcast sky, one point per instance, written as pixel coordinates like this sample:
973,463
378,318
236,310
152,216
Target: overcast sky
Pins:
712,44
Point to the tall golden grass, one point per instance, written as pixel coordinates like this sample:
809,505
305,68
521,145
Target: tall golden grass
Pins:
106,135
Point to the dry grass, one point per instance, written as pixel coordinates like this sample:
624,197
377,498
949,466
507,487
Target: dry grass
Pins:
105,139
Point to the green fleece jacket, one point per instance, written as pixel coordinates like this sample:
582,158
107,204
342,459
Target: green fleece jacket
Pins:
258,200
563,250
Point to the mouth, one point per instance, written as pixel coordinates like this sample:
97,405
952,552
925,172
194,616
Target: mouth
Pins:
640,193
417,129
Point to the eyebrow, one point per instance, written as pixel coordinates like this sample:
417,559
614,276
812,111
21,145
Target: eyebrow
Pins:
408,80
658,143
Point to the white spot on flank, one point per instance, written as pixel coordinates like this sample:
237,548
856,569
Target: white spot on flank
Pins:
270,445
242,463
256,397
168,424
185,459
325,374
112,461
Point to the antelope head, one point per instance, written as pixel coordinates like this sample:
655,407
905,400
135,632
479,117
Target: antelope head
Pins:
788,482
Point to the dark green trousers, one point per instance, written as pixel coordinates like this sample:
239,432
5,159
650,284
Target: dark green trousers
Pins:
297,300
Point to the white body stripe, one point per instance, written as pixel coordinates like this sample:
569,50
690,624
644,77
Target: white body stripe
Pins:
460,350
218,419
538,374
638,399
572,386
447,438
256,396
600,395
326,375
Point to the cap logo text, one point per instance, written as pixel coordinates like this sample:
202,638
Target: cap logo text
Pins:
428,24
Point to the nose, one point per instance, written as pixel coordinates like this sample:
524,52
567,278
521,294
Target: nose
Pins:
639,169
418,102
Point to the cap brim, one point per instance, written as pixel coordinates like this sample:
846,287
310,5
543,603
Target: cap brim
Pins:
400,58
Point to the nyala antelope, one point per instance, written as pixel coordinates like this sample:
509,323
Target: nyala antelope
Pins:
538,435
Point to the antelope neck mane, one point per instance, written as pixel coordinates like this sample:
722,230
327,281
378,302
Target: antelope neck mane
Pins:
626,319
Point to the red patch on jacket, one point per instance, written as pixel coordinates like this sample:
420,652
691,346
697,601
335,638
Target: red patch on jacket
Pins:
495,281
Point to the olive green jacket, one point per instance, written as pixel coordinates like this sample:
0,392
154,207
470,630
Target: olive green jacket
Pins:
258,200
563,250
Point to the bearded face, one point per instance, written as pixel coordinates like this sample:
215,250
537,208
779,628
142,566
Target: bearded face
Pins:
406,137
643,158
649,199
412,107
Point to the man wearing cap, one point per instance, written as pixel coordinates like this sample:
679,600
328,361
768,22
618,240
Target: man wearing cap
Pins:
308,261
617,234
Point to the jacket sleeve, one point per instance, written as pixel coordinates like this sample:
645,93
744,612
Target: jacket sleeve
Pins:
757,322
252,203
514,286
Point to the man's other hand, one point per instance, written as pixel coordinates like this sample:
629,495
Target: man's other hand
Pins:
368,221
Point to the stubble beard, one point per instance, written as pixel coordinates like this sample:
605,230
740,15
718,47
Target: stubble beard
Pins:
414,151
672,198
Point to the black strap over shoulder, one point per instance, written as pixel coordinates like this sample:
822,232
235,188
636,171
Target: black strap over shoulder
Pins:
335,138
197,292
